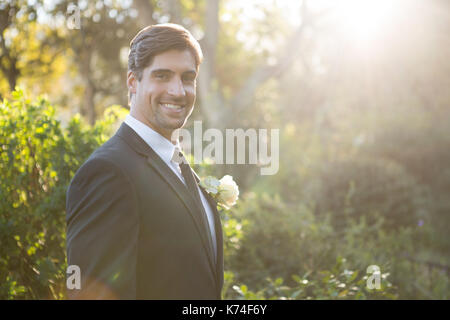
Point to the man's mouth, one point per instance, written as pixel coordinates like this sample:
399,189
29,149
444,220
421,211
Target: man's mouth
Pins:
170,106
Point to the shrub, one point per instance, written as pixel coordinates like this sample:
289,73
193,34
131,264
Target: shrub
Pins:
38,159
336,283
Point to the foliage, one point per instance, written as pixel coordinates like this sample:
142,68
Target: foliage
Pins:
370,211
336,283
38,159
292,241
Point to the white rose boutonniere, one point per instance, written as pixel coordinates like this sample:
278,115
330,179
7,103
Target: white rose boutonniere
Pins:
225,191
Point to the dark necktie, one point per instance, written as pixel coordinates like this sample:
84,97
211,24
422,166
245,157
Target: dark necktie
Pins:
192,186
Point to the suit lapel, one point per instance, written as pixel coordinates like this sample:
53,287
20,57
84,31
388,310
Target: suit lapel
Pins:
219,234
154,161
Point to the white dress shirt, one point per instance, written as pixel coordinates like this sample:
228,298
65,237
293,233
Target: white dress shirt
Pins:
165,149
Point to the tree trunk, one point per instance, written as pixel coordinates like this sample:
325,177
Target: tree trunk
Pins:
13,74
212,104
145,12
88,100
88,107
175,11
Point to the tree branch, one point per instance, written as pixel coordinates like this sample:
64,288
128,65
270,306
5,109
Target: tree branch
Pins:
260,75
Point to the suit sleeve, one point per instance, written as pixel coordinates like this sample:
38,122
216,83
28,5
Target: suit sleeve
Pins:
102,231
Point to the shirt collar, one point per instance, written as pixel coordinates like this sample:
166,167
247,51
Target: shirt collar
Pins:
163,147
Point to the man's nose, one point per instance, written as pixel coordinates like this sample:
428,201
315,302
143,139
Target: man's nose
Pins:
176,88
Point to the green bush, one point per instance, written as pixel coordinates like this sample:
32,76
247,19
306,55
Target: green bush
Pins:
291,241
371,187
332,202
38,159
336,283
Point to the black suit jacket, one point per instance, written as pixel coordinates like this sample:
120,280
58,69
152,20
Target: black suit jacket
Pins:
133,228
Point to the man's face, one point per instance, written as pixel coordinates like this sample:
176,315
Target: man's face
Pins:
165,96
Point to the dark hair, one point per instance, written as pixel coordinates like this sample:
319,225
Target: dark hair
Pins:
156,39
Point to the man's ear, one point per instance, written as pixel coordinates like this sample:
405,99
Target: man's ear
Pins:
131,82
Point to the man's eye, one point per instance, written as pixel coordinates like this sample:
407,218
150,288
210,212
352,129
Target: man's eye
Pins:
162,76
189,79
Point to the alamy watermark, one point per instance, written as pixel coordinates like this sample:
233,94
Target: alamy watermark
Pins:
374,281
74,17
232,147
73,277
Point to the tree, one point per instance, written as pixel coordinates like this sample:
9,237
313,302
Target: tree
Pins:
27,48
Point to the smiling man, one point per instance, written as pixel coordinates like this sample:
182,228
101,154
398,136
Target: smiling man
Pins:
163,94
138,224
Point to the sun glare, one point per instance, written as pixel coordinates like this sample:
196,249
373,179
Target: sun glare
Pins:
365,20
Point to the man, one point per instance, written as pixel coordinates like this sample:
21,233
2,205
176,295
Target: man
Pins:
138,224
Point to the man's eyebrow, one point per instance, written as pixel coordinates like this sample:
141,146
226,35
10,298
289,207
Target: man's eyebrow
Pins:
162,71
170,71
